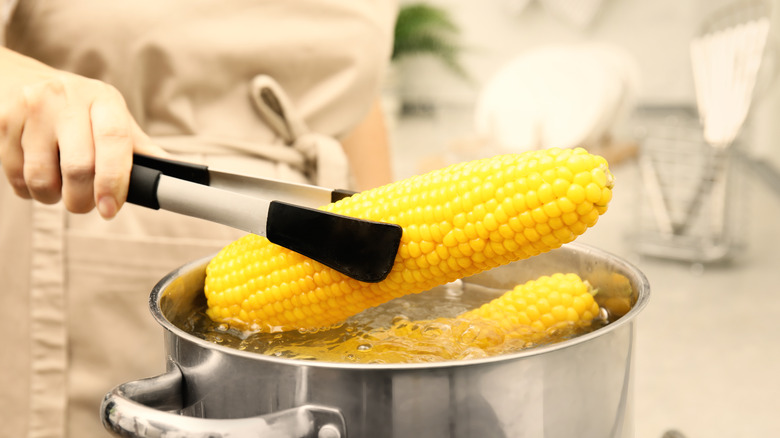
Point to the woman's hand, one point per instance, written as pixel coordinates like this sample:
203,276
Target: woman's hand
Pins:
64,136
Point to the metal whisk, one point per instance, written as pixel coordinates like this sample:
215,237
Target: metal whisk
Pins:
725,57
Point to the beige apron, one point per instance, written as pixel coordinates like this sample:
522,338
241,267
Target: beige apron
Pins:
194,73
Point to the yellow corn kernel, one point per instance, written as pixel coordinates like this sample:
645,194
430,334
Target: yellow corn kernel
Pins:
544,303
462,201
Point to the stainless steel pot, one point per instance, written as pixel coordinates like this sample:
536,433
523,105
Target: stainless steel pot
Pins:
577,388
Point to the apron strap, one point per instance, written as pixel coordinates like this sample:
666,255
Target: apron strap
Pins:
275,107
326,163
318,157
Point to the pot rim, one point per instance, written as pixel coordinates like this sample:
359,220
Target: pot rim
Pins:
643,295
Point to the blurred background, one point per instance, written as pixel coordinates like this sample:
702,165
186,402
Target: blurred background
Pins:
682,98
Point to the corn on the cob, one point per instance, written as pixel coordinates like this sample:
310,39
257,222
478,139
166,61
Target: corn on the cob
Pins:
457,221
541,304
541,310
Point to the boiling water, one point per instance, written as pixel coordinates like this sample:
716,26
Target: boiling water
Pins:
409,329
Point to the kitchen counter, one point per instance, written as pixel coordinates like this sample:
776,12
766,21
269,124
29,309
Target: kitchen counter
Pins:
707,346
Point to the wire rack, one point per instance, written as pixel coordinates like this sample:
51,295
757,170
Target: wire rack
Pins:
691,183
676,219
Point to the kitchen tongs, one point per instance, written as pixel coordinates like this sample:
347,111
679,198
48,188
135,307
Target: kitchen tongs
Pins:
285,213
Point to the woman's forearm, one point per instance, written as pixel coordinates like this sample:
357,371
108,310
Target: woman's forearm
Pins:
368,150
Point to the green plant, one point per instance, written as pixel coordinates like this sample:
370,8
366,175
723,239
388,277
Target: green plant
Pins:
423,29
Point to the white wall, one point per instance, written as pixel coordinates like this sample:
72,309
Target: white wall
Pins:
655,32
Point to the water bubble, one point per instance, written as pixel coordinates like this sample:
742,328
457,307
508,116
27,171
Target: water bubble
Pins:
469,335
472,353
454,289
399,319
364,347
433,330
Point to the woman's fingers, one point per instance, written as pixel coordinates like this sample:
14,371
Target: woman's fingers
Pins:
144,145
11,155
113,137
64,136
41,168
77,158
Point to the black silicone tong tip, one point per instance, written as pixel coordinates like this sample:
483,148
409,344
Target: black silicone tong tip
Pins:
364,250
361,249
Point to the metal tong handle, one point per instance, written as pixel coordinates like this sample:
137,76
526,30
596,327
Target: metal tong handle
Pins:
362,249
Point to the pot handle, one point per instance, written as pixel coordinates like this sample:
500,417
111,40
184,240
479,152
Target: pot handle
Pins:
138,409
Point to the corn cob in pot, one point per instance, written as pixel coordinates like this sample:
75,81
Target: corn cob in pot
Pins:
457,221
547,309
